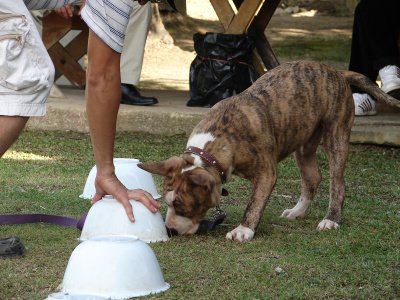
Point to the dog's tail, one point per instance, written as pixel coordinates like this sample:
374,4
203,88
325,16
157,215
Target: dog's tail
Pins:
369,87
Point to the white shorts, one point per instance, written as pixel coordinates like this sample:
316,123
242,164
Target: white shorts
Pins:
26,70
108,20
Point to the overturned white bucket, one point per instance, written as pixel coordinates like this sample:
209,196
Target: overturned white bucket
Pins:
114,267
128,173
108,217
68,296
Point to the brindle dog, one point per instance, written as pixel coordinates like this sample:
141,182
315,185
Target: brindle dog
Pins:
289,109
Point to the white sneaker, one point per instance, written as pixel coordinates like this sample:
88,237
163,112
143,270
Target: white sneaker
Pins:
364,105
390,78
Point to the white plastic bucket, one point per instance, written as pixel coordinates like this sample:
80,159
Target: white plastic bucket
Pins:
128,173
108,217
116,267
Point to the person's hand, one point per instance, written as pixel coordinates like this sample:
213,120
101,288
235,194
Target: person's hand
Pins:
66,11
112,186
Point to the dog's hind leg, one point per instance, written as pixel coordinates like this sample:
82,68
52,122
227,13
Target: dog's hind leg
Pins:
336,144
306,159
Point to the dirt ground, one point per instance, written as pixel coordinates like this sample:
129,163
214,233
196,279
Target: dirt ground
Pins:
167,66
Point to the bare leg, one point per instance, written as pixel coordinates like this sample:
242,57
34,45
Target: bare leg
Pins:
10,129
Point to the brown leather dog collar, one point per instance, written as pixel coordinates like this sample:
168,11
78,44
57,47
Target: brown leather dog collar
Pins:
209,158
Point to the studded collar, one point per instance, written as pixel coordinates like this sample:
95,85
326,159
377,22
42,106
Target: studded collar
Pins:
209,158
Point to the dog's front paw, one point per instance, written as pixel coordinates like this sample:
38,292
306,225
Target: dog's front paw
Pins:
240,234
293,214
299,211
326,224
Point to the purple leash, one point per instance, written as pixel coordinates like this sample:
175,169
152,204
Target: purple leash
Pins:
37,218
78,223
14,246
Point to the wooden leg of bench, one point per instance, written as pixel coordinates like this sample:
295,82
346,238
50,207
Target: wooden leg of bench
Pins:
67,65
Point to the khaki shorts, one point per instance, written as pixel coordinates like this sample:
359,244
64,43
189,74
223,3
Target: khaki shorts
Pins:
26,70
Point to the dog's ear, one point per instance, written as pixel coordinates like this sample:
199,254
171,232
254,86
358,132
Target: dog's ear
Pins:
202,178
163,168
205,180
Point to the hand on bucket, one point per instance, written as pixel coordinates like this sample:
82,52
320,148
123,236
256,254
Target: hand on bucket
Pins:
110,185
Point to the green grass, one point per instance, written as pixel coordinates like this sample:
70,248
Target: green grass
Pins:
45,173
323,49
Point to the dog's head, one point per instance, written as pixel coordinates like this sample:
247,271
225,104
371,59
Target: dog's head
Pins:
189,192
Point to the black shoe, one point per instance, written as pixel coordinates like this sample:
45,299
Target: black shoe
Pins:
130,95
11,246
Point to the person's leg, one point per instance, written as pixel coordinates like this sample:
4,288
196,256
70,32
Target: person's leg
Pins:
10,129
26,73
375,36
361,54
25,81
135,40
381,21
374,46
387,60
361,61
133,53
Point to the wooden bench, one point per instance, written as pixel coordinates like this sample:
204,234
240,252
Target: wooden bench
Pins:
66,58
250,16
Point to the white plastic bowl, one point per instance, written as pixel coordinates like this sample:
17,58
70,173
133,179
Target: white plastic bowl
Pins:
115,266
128,173
108,217
68,296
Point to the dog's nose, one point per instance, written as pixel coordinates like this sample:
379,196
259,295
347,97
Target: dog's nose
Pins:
171,231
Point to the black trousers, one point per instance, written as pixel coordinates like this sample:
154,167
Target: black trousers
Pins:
375,40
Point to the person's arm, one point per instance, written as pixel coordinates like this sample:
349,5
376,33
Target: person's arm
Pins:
103,91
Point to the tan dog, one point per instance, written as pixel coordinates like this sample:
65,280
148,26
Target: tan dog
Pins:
289,109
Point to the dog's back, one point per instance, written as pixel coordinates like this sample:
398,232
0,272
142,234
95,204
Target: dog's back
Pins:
295,98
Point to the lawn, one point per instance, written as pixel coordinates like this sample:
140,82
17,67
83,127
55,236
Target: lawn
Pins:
45,172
